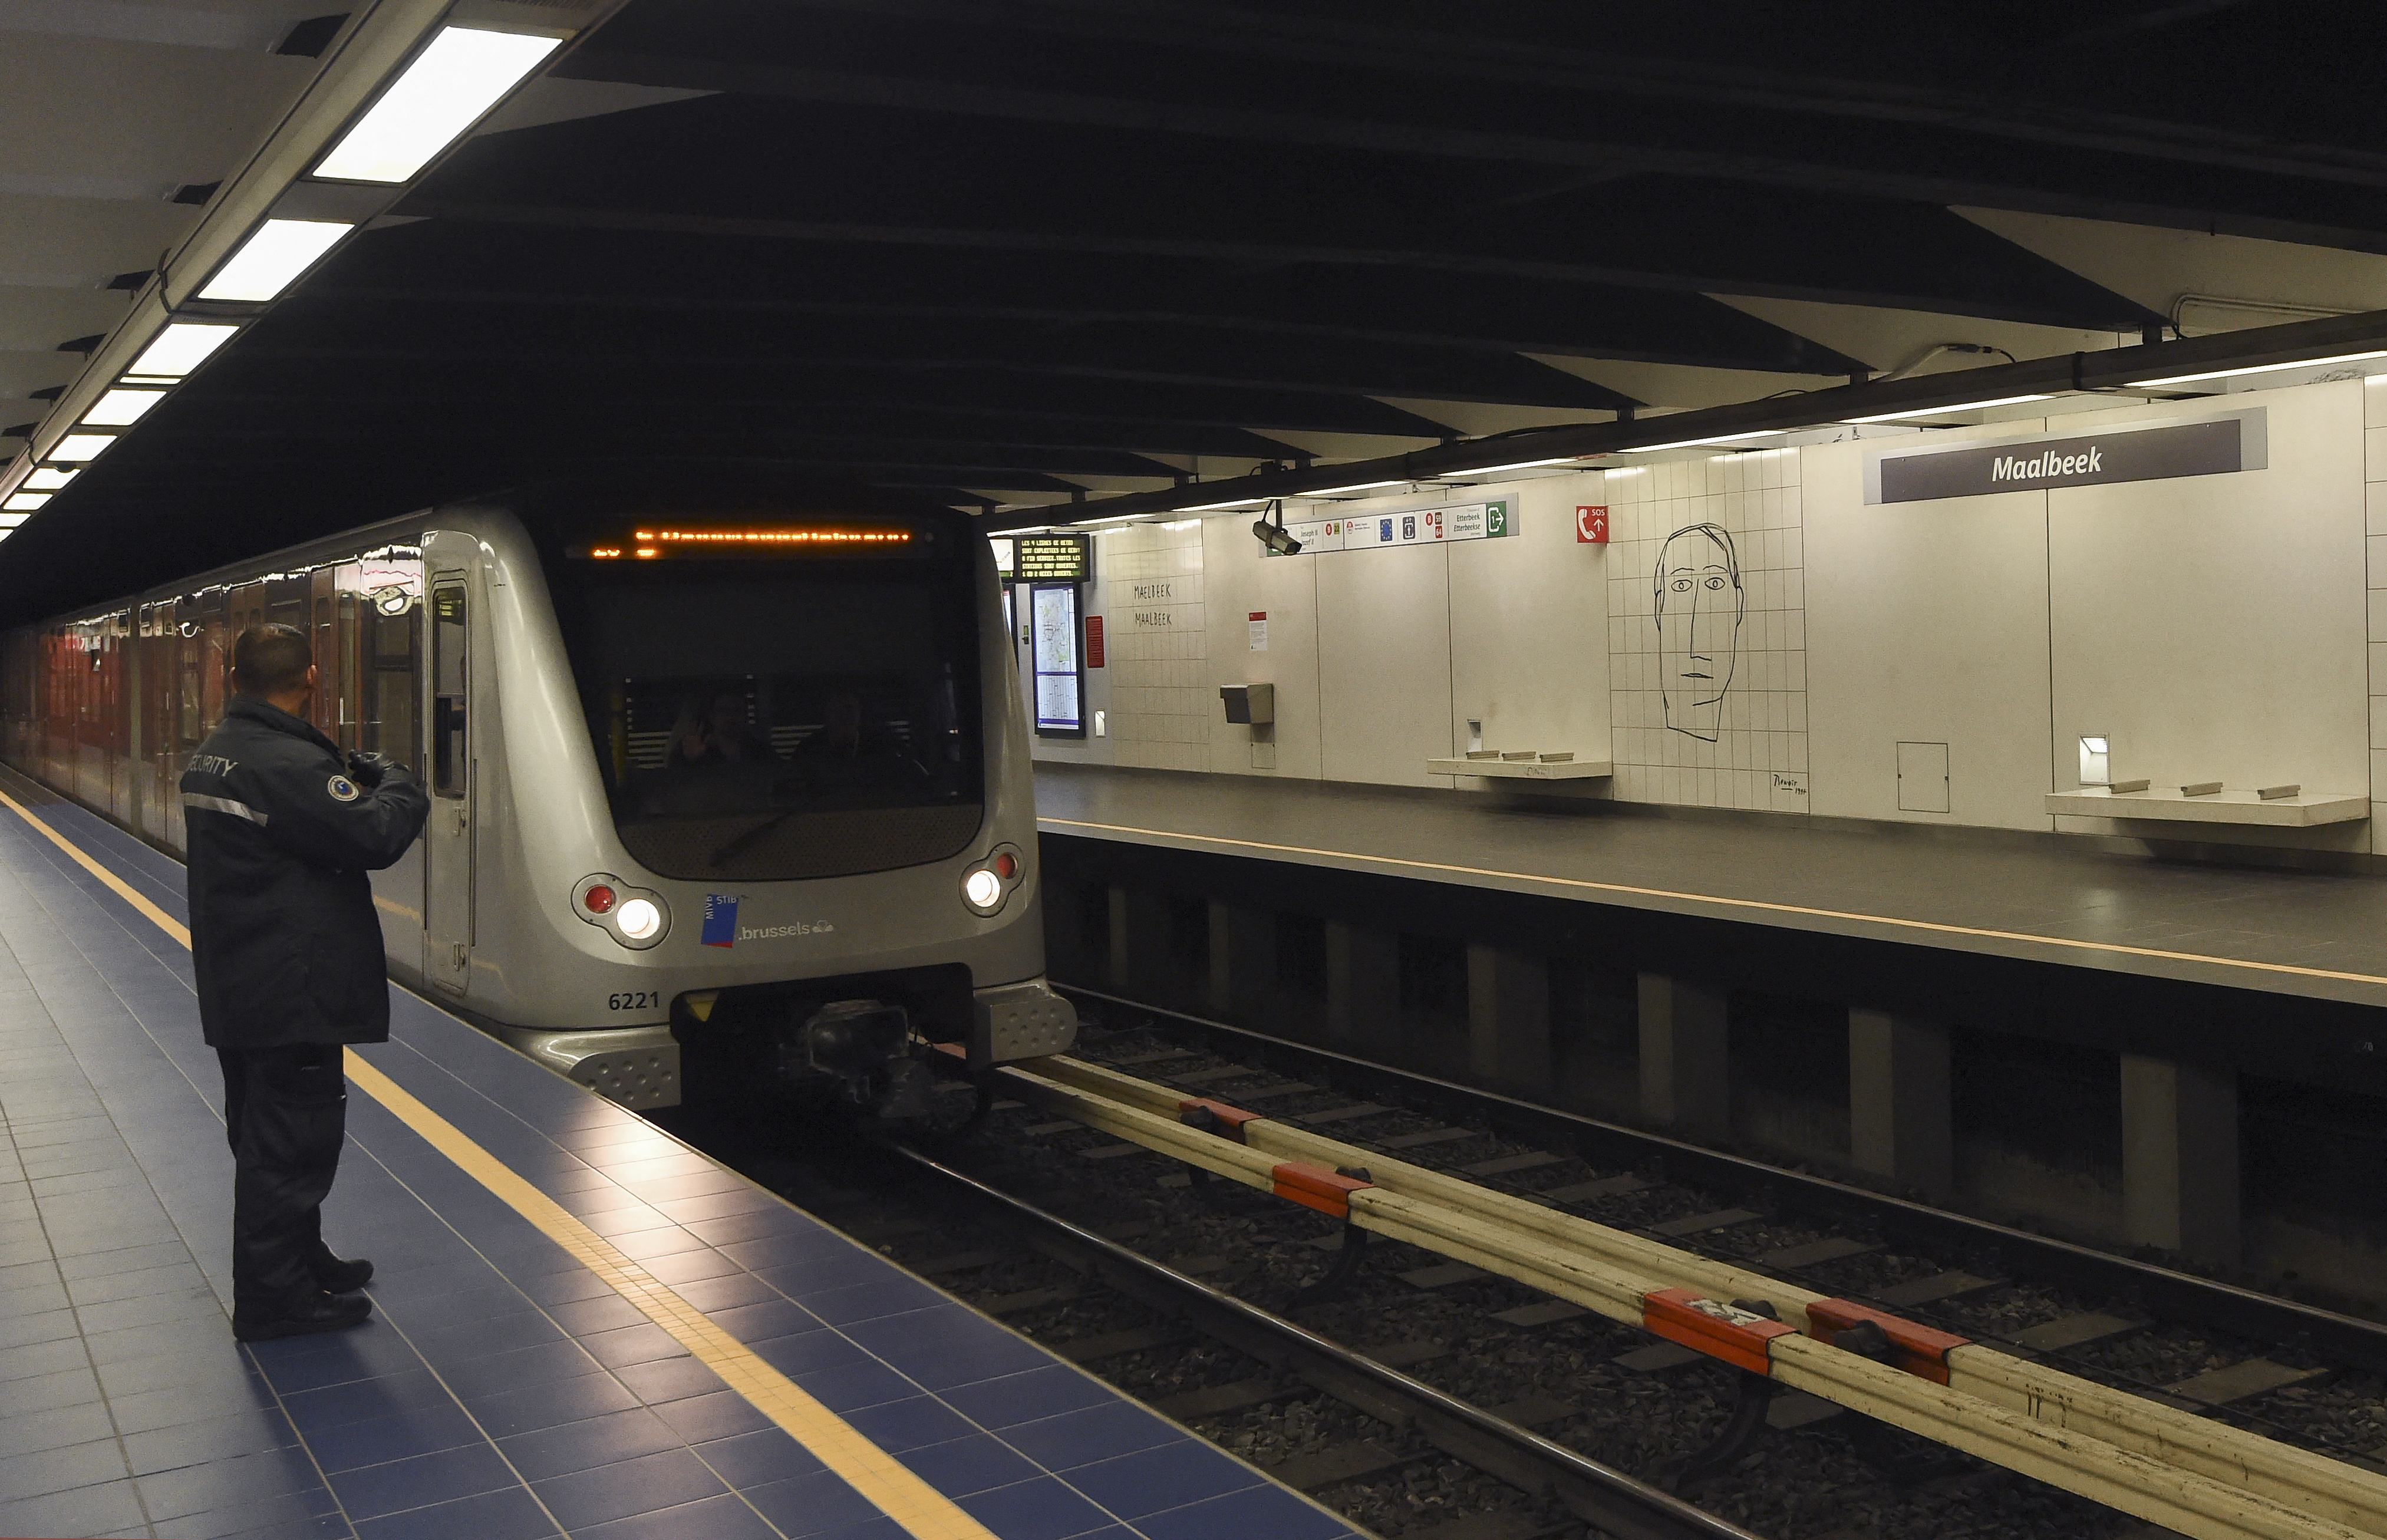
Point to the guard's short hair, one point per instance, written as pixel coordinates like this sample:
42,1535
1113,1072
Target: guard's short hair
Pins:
271,659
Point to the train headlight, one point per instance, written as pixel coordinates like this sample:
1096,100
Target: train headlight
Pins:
987,885
634,917
639,919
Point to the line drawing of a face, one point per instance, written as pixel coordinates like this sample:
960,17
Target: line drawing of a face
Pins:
1700,603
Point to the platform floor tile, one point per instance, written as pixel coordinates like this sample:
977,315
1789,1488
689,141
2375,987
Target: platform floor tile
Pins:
506,1386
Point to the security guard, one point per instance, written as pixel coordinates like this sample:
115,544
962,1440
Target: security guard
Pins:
282,829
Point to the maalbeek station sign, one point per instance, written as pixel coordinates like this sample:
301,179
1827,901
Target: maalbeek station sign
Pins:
2129,453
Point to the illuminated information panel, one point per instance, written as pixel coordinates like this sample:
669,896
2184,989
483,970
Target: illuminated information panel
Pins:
1052,558
660,542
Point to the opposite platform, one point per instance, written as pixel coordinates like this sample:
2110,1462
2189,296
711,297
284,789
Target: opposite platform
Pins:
2039,898
582,1327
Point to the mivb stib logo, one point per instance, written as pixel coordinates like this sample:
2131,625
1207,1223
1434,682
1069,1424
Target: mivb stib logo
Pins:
720,919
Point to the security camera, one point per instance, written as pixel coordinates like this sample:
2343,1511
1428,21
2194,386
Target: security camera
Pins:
1273,536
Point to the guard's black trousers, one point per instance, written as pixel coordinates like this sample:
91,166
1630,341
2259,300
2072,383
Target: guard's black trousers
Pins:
286,1111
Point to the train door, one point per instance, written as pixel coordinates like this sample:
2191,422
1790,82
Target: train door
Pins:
448,836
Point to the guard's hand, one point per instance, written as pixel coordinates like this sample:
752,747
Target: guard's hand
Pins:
367,769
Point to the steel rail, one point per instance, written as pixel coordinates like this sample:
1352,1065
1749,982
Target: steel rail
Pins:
2204,1479
2169,1292
1599,1494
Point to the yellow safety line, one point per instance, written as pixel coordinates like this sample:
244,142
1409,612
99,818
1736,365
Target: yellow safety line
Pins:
1762,904
924,1512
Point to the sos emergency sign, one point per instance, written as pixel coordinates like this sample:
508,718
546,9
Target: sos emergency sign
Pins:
1590,525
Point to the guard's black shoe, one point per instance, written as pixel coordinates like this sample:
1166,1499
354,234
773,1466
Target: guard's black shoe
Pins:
323,1313
335,1277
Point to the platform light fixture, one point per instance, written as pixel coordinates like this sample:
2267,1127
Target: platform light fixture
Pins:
1519,465
1215,507
1704,443
2258,368
1355,487
48,478
180,347
1943,411
462,73
81,448
121,407
25,502
272,257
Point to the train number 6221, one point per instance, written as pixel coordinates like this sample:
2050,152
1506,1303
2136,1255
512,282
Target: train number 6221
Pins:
635,1000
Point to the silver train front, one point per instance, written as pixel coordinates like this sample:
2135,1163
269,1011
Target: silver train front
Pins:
485,915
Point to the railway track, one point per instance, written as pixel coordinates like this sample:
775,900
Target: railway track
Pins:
2223,1474
1613,1502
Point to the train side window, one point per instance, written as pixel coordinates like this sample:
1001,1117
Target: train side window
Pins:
449,753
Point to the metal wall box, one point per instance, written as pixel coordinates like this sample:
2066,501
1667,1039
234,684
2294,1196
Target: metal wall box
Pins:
1249,705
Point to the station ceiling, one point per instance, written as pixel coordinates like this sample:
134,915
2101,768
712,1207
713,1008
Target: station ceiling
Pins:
999,253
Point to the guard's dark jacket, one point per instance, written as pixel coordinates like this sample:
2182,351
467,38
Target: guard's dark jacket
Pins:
283,936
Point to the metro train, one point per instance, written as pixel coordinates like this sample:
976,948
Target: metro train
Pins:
726,808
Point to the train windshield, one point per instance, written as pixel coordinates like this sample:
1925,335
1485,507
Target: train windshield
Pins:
777,719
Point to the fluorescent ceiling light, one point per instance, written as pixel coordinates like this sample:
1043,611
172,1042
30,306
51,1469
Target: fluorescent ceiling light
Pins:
76,448
1942,411
180,347
267,262
47,479
1355,487
1183,523
1698,443
120,409
439,95
1214,507
1520,465
2262,368
25,502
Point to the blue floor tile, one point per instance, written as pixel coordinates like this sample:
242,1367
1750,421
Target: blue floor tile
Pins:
808,1505
424,1429
246,1432
666,1479
1041,1508
721,1517
717,1414
758,1458
1050,1391
1151,1481
509,1513
62,1470
374,1490
1255,1514
977,1463
230,1483
548,1406
1091,1434
585,1445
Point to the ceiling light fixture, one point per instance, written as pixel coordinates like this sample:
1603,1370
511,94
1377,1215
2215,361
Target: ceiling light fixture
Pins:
180,347
1520,465
1702,443
459,76
1942,411
1215,507
48,479
272,257
120,409
2259,369
1355,487
25,502
81,448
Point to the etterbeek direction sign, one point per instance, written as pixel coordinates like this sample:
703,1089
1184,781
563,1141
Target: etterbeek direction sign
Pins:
2089,459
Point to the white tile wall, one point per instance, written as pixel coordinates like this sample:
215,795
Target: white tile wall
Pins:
1759,759
2374,473
1156,636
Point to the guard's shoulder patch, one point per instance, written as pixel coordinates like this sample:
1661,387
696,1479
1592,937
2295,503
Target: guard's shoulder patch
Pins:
342,789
